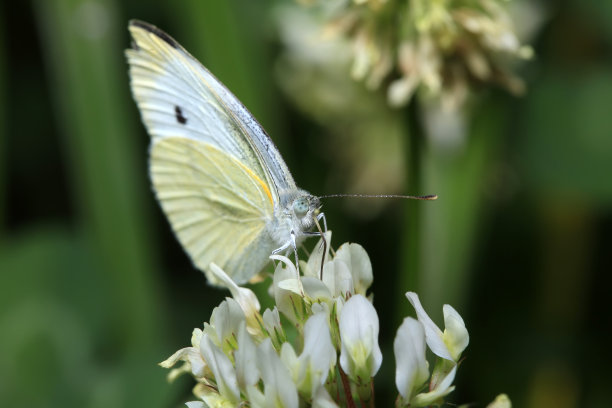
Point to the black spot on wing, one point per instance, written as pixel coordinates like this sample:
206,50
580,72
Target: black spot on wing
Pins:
154,30
179,115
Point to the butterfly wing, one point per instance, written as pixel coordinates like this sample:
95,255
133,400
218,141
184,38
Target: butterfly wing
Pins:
216,205
163,73
216,173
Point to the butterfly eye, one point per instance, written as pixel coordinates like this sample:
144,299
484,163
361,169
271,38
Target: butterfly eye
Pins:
300,206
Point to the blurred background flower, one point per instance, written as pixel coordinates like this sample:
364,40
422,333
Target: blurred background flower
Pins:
95,290
443,47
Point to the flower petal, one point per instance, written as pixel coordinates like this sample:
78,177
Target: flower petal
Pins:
222,369
195,404
313,266
318,353
358,262
276,377
433,334
337,278
360,356
225,320
440,390
273,327
455,335
411,370
322,399
287,295
245,359
245,297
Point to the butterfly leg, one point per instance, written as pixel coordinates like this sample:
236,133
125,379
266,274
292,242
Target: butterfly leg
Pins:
320,233
282,248
320,217
292,243
297,263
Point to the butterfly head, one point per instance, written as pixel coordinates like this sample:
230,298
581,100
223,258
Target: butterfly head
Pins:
306,208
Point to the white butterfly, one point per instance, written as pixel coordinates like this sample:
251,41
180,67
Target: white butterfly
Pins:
219,178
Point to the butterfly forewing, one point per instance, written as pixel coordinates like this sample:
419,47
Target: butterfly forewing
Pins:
214,170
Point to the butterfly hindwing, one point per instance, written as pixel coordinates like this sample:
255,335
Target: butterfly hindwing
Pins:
217,207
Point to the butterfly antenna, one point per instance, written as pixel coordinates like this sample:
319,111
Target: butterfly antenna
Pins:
429,197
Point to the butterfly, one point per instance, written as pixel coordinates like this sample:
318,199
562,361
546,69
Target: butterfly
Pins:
221,182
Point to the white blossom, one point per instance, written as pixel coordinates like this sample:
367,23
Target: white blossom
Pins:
222,369
279,389
360,356
439,391
245,358
244,297
412,369
448,344
290,359
224,323
318,355
358,264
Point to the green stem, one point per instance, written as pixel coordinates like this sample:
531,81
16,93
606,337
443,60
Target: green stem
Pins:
3,138
409,277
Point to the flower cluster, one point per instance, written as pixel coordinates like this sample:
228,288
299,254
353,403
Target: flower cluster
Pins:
442,47
318,346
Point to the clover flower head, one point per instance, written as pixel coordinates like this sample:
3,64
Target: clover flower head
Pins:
443,48
318,346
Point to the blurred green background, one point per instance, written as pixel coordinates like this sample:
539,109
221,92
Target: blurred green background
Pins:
95,291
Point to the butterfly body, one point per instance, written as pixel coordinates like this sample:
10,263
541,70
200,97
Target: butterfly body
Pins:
219,178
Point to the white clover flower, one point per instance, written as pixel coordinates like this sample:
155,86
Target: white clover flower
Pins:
439,391
337,278
412,369
224,323
247,373
310,370
279,389
318,355
312,267
360,357
274,329
358,264
292,362
287,290
310,286
315,290
224,373
448,344
193,361
244,297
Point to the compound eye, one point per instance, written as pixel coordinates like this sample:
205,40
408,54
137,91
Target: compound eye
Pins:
300,206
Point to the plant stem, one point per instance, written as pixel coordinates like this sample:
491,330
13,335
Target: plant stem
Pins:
409,276
350,403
